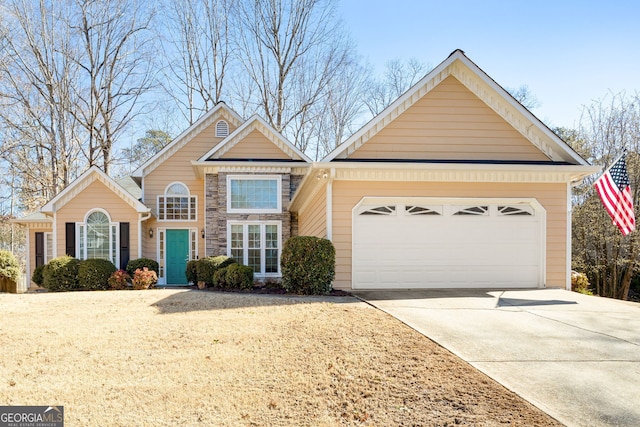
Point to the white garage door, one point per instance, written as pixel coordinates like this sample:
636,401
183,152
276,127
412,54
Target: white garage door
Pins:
410,243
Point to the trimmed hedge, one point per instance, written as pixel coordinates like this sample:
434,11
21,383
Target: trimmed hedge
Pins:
192,271
9,267
141,263
37,276
308,265
61,274
238,277
207,267
93,274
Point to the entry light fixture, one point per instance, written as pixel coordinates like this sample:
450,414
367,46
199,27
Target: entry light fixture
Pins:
202,233
151,233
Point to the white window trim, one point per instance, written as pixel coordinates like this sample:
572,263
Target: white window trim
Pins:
189,196
114,246
277,178
48,236
244,261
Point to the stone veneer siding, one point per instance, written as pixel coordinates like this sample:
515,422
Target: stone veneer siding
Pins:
216,215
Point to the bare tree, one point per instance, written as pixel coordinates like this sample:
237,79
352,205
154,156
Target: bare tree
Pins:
115,57
41,137
609,259
524,96
341,111
290,51
398,78
200,35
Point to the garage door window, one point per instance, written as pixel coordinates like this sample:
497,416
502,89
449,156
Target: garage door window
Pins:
472,210
515,210
423,210
380,210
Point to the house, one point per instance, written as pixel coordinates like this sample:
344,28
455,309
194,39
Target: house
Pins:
455,184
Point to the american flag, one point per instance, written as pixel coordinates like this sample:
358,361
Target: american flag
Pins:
615,192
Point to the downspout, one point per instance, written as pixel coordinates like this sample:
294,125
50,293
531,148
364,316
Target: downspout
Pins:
28,260
140,220
332,175
570,185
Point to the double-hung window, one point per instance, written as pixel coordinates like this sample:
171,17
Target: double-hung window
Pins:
177,204
98,237
256,244
254,194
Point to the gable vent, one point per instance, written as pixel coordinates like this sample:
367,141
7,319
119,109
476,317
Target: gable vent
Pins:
222,129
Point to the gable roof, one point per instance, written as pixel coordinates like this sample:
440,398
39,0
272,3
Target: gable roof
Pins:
255,122
83,181
486,89
219,111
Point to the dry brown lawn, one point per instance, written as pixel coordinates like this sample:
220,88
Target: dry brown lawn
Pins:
174,357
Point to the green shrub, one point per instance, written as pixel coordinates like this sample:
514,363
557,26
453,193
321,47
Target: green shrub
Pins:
144,279
141,263
206,268
220,278
37,276
61,274
308,265
93,274
119,280
192,271
238,277
9,267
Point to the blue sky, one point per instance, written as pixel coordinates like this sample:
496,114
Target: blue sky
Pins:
569,53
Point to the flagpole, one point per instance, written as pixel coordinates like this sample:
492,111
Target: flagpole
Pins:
624,153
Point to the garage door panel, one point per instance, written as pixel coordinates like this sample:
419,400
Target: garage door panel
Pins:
402,250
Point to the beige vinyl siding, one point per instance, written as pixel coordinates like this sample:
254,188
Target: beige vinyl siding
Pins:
97,195
449,123
177,168
312,219
255,146
346,194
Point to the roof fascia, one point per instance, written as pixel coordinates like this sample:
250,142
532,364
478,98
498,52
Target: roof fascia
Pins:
431,80
77,185
382,117
250,125
186,136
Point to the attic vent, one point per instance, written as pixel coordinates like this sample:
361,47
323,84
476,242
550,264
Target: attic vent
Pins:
222,129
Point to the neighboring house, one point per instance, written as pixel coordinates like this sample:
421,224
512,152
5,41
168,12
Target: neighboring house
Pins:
455,184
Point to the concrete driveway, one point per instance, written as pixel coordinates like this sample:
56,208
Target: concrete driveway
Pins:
574,356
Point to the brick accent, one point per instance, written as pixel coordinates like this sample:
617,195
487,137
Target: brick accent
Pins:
216,215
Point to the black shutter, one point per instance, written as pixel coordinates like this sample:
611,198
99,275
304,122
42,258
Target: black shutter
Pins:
124,245
70,238
39,248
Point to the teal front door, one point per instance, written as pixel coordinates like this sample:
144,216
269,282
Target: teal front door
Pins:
177,245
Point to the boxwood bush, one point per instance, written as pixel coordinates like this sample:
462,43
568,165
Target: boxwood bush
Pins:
93,274
308,265
141,263
238,277
206,268
37,276
9,267
61,274
192,271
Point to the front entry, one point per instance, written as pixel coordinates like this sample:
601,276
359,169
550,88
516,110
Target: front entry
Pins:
177,244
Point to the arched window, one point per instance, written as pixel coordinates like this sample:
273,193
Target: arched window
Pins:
97,237
177,204
222,129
